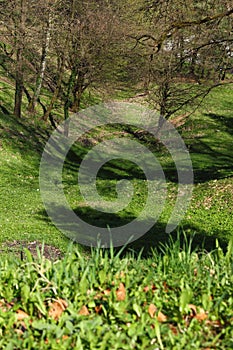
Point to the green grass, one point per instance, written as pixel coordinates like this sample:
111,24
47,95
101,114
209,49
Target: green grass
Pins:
209,138
208,135
175,299
191,287
20,200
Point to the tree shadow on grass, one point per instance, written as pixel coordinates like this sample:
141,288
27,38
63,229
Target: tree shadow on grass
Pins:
213,158
225,122
23,136
157,237
209,164
153,239
117,169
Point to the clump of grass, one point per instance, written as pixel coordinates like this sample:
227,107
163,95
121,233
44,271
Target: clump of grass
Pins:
176,298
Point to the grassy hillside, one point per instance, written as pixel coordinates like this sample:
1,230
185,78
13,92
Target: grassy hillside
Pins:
176,297
208,134
21,146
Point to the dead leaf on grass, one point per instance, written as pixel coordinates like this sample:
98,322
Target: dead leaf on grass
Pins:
199,313
165,286
4,306
64,337
19,332
161,317
148,288
152,312
84,311
57,308
121,292
173,329
107,291
21,315
99,309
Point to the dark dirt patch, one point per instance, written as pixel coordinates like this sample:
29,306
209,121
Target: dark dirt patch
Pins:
17,248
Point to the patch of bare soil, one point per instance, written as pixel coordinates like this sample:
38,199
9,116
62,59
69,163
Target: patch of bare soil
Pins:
17,248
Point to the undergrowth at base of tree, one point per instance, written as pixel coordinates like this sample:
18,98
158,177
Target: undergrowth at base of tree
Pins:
176,298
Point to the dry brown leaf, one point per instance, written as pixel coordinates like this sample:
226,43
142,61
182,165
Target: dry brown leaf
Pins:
201,315
121,292
165,286
107,291
173,329
161,317
4,306
153,287
198,313
64,337
152,310
84,311
19,332
98,309
57,308
21,315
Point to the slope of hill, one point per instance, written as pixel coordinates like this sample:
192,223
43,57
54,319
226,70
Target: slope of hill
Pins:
207,133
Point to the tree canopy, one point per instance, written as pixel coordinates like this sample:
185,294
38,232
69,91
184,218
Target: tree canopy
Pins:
175,51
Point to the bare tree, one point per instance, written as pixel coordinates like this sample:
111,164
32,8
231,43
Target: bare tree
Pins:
43,61
187,49
86,45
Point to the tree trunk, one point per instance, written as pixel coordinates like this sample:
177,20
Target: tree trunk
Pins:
77,92
19,76
18,83
70,88
56,91
43,62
